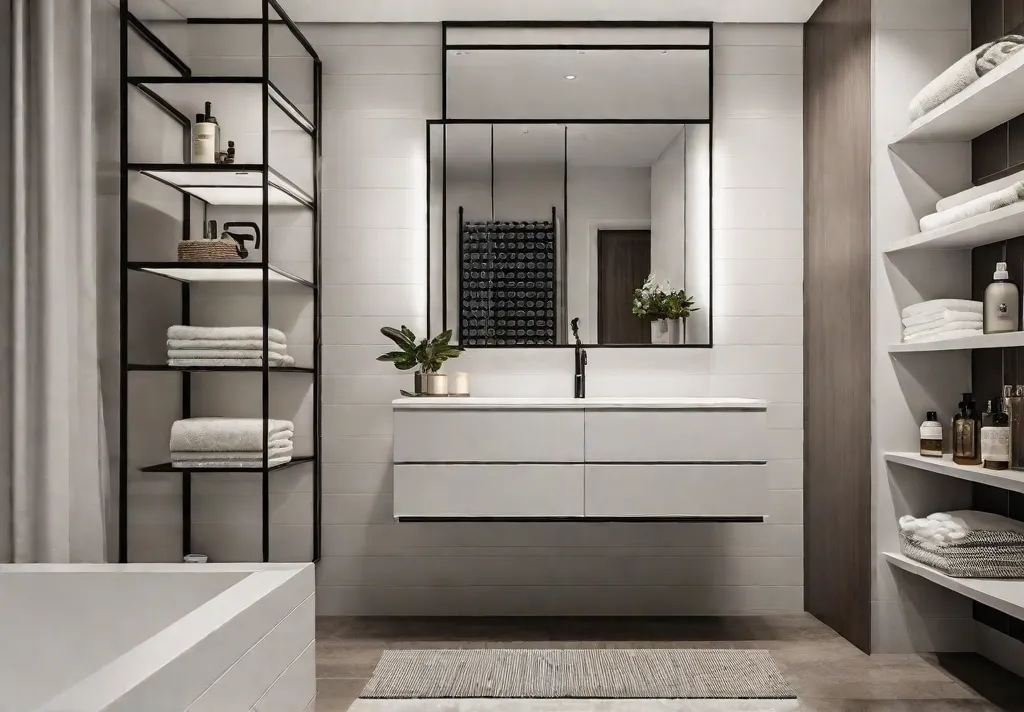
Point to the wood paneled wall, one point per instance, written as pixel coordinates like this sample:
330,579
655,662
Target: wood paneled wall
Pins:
1000,151
837,317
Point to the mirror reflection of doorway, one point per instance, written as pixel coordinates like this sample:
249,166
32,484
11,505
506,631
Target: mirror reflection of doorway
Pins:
623,263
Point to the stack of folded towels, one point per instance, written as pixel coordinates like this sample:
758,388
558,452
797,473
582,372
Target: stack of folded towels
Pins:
225,346
941,319
230,442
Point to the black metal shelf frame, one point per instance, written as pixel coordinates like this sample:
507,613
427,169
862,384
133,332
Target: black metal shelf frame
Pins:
272,189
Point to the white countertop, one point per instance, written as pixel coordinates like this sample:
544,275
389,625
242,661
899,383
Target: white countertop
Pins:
604,403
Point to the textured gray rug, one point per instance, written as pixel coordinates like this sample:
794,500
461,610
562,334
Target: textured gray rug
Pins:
589,674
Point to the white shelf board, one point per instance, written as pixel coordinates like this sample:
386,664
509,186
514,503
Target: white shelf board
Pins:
992,100
984,341
1004,595
227,271
226,184
1004,479
995,226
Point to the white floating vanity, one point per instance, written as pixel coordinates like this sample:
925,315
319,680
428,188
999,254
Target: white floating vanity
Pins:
591,458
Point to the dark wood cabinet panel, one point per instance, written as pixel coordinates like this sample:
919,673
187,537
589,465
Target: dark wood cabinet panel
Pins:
1013,16
1000,151
837,329
986,21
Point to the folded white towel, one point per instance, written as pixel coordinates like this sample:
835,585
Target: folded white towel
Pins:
224,353
967,70
284,362
228,462
933,306
978,206
240,456
179,331
946,335
217,344
224,434
912,332
945,316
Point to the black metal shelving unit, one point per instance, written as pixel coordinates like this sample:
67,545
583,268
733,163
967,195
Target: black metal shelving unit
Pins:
237,185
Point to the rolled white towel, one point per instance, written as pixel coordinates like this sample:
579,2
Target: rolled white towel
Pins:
224,434
945,316
218,344
179,331
939,305
978,206
925,329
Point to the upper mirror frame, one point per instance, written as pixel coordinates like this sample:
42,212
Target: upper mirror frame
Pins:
595,37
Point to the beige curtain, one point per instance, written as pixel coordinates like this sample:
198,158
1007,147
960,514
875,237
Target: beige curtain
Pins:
54,475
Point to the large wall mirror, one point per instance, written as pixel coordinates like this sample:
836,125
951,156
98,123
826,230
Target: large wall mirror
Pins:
573,163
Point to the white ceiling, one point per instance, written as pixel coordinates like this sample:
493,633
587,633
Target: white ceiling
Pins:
589,145
438,10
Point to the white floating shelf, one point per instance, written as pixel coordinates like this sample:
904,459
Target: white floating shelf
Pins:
992,100
227,271
995,226
227,184
1004,595
1004,479
984,341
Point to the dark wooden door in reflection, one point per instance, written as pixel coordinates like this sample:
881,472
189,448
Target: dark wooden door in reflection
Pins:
623,263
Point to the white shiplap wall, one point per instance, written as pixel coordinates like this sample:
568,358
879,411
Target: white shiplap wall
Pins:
380,83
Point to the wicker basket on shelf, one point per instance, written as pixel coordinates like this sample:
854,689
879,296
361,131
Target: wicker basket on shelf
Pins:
207,251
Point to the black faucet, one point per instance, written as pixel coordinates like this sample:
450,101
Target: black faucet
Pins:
580,377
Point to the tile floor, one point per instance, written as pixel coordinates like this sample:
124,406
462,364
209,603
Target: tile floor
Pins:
828,674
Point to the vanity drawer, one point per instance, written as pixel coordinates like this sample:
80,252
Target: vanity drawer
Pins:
713,435
453,435
676,490
464,491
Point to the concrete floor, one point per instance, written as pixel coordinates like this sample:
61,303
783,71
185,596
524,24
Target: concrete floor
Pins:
828,674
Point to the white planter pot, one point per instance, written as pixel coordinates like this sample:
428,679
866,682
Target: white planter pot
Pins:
660,332
432,384
668,332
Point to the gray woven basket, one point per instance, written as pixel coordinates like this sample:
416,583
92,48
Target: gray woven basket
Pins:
207,251
981,554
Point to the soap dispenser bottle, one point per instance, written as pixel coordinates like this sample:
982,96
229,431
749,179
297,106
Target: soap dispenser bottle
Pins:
931,436
1002,303
967,433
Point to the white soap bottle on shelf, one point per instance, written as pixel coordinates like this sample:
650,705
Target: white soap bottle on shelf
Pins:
1002,303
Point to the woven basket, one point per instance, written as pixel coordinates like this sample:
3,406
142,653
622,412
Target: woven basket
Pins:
207,251
981,554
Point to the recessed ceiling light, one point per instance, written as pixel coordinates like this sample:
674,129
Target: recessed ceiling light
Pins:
570,77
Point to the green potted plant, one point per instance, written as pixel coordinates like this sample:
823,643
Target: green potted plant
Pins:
428,354
667,310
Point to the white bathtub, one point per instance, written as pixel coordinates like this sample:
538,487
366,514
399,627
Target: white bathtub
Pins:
157,637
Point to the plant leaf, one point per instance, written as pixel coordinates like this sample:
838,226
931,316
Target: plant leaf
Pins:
400,339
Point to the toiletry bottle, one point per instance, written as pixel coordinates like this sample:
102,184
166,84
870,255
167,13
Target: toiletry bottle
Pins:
204,135
210,118
931,436
995,437
967,434
1013,404
1002,303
